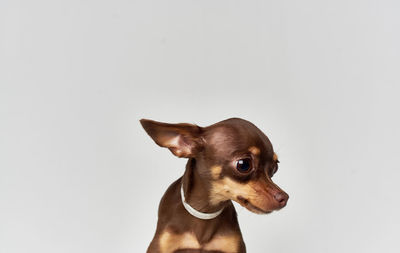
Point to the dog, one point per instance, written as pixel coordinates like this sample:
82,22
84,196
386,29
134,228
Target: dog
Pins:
229,160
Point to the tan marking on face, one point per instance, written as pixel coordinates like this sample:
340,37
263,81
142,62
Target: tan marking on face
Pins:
226,189
254,150
226,243
275,157
216,171
169,241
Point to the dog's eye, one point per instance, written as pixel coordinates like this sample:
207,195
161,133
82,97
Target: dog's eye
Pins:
243,165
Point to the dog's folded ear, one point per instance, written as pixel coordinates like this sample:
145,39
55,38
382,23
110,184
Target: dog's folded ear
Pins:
183,140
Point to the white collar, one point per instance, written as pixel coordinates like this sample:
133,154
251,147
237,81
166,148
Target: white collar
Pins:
195,213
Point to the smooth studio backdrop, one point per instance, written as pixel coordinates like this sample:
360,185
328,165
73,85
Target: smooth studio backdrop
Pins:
320,78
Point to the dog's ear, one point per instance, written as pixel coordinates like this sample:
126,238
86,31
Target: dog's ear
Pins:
183,140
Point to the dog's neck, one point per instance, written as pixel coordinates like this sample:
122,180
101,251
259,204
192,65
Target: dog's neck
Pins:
196,191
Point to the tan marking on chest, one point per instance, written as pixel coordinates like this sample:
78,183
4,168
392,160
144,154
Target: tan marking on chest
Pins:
169,242
227,243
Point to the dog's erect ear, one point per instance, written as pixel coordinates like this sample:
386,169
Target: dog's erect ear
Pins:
184,140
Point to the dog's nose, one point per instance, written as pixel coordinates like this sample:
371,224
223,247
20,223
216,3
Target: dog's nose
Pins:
281,198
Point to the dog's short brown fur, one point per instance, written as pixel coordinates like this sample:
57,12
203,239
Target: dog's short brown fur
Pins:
213,177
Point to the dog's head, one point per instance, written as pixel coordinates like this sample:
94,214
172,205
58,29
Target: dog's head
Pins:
233,157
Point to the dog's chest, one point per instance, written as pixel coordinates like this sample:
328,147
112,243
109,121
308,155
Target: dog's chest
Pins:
170,242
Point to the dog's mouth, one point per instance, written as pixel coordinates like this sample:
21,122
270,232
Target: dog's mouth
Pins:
246,203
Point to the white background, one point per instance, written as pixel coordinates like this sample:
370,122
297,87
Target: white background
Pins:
320,78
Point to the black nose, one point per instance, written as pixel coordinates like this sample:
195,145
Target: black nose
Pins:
281,198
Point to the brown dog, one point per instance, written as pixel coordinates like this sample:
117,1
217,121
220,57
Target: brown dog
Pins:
230,160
